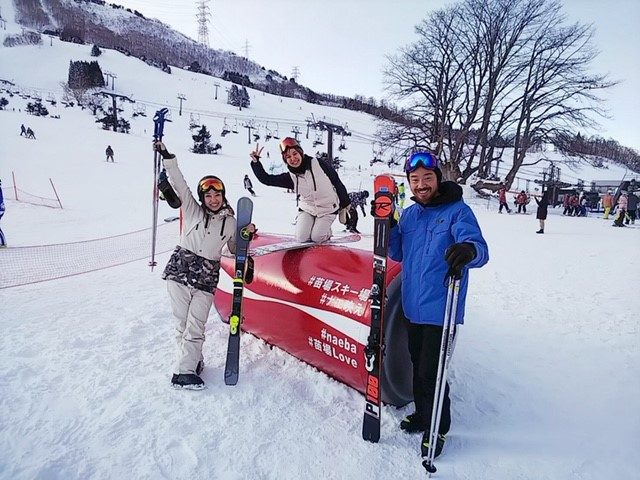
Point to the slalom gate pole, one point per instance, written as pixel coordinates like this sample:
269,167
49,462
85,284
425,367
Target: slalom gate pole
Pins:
158,120
446,344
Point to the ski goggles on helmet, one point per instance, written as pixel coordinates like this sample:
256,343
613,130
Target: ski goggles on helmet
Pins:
207,184
421,159
288,142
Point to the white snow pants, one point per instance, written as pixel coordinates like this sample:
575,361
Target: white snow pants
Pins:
314,229
191,308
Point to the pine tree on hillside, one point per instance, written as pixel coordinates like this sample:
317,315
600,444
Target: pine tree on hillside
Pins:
85,75
202,141
95,51
233,96
244,100
36,108
3,103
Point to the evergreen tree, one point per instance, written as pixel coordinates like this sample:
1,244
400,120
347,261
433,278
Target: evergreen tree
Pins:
36,108
3,103
244,98
95,51
234,96
202,141
85,75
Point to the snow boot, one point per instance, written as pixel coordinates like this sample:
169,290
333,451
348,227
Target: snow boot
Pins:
540,231
187,381
412,424
424,446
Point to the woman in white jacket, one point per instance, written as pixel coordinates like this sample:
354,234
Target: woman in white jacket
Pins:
193,269
320,194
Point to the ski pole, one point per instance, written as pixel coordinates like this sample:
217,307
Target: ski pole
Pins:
448,332
158,120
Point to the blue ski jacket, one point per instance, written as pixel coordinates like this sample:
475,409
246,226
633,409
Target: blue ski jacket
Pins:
420,240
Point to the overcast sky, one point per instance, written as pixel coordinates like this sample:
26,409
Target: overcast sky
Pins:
339,46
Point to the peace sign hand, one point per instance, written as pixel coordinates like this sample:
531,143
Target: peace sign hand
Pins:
255,155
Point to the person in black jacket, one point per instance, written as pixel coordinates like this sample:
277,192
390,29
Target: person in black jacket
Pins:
543,205
320,194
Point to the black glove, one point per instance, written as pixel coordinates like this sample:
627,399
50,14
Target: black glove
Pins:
159,147
457,256
392,218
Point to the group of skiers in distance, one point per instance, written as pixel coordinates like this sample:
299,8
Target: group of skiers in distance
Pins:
575,205
27,132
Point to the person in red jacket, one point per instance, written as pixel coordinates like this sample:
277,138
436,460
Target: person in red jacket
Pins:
521,200
502,198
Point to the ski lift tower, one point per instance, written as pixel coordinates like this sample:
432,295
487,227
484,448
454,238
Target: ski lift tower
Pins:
331,128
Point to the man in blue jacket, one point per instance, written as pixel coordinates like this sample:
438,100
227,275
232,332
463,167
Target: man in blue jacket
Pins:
436,236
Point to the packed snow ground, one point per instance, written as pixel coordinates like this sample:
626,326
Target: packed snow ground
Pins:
545,377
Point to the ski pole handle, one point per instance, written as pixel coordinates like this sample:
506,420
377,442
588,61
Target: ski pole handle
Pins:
158,120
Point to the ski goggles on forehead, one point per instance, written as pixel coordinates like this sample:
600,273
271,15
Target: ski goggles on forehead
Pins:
288,143
211,183
421,159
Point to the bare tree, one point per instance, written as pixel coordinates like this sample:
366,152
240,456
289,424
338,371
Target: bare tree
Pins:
487,74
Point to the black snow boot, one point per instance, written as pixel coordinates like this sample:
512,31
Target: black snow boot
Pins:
540,231
187,381
424,446
412,424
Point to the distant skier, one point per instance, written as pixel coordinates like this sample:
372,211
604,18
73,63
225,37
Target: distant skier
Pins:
632,206
623,203
248,185
320,194
30,133
357,199
23,131
3,242
401,195
541,213
109,153
521,200
502,198
607,204
194,266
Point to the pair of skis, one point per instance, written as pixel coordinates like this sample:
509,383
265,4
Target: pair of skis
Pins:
383,211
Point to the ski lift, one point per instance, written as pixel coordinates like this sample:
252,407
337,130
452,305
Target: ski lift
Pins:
267,135
256,137
139,110
234,129
318,140
275,132
194,118
225,128
342,146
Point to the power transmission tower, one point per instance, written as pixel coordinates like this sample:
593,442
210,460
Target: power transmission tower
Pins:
203,17
295,73
246,49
